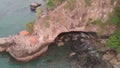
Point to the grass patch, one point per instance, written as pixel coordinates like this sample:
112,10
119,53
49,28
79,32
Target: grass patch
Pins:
88,2
70,5
100,23
114,41
114,18
29,26
97,22
51,4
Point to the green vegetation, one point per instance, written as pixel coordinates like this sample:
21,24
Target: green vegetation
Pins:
112,2
51,4
88,2
101,24
114,17
114,41
38,11
97,22
29,26
46,21
70,4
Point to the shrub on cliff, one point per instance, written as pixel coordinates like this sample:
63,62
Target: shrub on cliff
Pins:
51,4
114,41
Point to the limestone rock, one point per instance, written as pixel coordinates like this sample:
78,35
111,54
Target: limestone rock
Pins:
2,49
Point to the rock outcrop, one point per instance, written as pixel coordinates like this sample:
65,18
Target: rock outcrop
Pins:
4,44
72,18
34,5
24,50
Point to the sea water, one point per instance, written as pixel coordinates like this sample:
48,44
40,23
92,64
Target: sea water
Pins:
14,14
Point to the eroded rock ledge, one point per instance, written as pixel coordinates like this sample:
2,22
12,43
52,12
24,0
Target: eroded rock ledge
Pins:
20,48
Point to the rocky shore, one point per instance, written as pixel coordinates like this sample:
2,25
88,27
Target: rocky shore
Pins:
20,47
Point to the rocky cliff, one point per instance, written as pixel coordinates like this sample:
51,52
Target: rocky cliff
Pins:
73,15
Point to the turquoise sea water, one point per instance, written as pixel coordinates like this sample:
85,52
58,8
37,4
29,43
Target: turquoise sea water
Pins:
13,16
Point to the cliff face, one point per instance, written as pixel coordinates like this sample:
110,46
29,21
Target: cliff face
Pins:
73,15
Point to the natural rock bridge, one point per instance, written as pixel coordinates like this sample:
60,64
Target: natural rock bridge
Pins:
83,44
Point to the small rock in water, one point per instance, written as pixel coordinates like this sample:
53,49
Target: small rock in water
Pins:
34,5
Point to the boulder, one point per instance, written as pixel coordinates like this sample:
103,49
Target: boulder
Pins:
34,5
